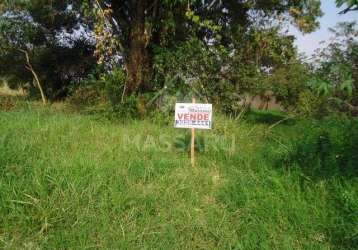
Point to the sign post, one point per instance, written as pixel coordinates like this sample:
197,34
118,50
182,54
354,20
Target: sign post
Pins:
192,146
195,116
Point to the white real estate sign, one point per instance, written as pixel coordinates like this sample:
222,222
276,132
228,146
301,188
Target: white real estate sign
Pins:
193,115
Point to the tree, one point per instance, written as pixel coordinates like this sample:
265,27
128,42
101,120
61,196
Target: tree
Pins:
134,31
136,27
56,39
12,41
335,69
350,5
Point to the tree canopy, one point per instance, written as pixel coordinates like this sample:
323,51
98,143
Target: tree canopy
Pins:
224,49
53,34
349,5
135,28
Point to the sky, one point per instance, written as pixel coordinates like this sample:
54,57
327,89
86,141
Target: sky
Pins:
309,42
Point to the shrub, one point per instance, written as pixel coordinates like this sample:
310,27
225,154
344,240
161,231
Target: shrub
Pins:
114,83
310,105
125,110
161,118
86,96
104,93
8,103
328,148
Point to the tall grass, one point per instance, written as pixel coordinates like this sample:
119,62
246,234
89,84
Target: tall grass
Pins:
75,182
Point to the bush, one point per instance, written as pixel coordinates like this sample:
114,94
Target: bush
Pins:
86,96
128,109
162,118
344,228
8,103
114,83
310,105
326,149
323,155
104,93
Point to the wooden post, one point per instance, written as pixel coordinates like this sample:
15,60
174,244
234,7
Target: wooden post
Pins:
192,148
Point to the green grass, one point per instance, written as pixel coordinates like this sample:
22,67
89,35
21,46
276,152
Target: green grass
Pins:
71,181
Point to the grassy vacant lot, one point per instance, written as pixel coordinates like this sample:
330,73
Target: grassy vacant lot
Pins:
70,181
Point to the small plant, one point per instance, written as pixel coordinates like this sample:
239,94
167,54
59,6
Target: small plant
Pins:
126,109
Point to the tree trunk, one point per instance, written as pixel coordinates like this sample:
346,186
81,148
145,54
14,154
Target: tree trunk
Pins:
29,67
138,59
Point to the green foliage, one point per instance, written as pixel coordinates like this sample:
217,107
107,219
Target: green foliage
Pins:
123,107
192,63
333,79
86,96
216,39
47,32
223,78
89,95
103,93
350,5
265,64
126,110
326,152
192,69
311,105
329,149
266,117
287,83
218,23
114,83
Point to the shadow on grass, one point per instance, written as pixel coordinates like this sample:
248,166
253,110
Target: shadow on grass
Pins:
268,117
